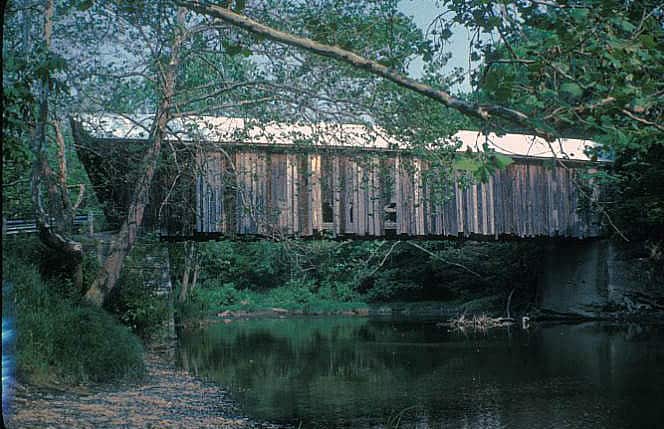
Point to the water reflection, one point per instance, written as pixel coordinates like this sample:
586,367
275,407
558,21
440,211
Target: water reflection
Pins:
352,372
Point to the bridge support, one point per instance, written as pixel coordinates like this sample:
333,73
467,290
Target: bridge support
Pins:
574,278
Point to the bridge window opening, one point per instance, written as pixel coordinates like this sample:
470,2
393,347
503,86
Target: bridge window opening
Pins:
350,213
327,189
388,185
328,212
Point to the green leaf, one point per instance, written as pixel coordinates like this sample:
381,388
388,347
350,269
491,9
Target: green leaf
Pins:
503,161
625,25
579,14
233,50
534,102
466,163
85,5
239,5
572,89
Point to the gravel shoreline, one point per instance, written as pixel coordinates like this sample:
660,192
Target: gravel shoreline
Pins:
165,398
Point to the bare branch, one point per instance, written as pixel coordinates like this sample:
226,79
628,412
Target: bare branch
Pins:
433,255
225,106
382,262
642,120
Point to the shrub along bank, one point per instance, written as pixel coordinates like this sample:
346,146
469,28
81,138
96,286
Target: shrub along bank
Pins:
58,338
134,301
333,276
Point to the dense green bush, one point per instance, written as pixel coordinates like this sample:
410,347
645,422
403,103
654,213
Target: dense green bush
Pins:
58,339
133,300
210,297
322,274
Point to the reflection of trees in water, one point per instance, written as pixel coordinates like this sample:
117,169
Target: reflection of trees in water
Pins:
326,369
331,369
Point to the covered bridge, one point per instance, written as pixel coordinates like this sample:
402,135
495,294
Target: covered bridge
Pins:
229,177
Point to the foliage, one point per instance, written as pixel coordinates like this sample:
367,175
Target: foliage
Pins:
579,65
318,275
17,100
25,62
58,339
376,27
635,186
581,69
134,301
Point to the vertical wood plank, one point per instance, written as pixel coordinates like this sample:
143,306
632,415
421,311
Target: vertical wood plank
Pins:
418,198
315,200
360,196
458,193
398,195
349,227
336,191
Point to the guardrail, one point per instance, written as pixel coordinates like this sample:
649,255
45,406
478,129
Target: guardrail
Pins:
28,226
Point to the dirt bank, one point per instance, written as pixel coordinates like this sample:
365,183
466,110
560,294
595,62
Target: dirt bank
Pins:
165,398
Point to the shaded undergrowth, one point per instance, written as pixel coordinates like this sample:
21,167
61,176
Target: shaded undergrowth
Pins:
58,338
333,277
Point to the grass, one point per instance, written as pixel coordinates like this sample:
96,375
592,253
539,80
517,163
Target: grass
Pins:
207,301
58,339
394,420
300,298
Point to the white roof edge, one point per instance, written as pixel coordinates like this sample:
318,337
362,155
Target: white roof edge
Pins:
227,129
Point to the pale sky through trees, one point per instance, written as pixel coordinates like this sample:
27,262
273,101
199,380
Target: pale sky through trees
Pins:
423,13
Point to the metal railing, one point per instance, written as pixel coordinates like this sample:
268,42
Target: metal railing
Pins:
28,226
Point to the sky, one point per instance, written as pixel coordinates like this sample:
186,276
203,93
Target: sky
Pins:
423,12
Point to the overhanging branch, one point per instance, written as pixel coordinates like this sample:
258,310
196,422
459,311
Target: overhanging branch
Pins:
482,111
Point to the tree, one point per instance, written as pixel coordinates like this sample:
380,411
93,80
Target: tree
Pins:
29,86
555,68
126,237
546,72
372,66
567,25
41,78
589,69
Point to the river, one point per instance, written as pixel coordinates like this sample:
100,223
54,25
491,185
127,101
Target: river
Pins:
368,373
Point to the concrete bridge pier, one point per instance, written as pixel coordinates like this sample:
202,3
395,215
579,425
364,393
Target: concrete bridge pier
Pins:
574,278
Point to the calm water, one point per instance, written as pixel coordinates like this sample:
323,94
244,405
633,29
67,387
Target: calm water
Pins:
353,372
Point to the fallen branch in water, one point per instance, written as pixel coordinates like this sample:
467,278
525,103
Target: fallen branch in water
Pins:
477,323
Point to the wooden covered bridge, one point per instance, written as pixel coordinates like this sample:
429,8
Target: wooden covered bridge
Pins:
229,177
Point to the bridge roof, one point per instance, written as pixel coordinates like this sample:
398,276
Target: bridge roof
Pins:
237,130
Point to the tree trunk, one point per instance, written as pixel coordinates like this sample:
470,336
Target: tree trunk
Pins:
124,240
191,269
53,236
197,269
184,284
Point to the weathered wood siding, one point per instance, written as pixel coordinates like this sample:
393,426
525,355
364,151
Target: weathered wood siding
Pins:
306,194
273,192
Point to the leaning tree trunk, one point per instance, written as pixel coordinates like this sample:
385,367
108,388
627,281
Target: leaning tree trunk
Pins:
52,235
124,240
